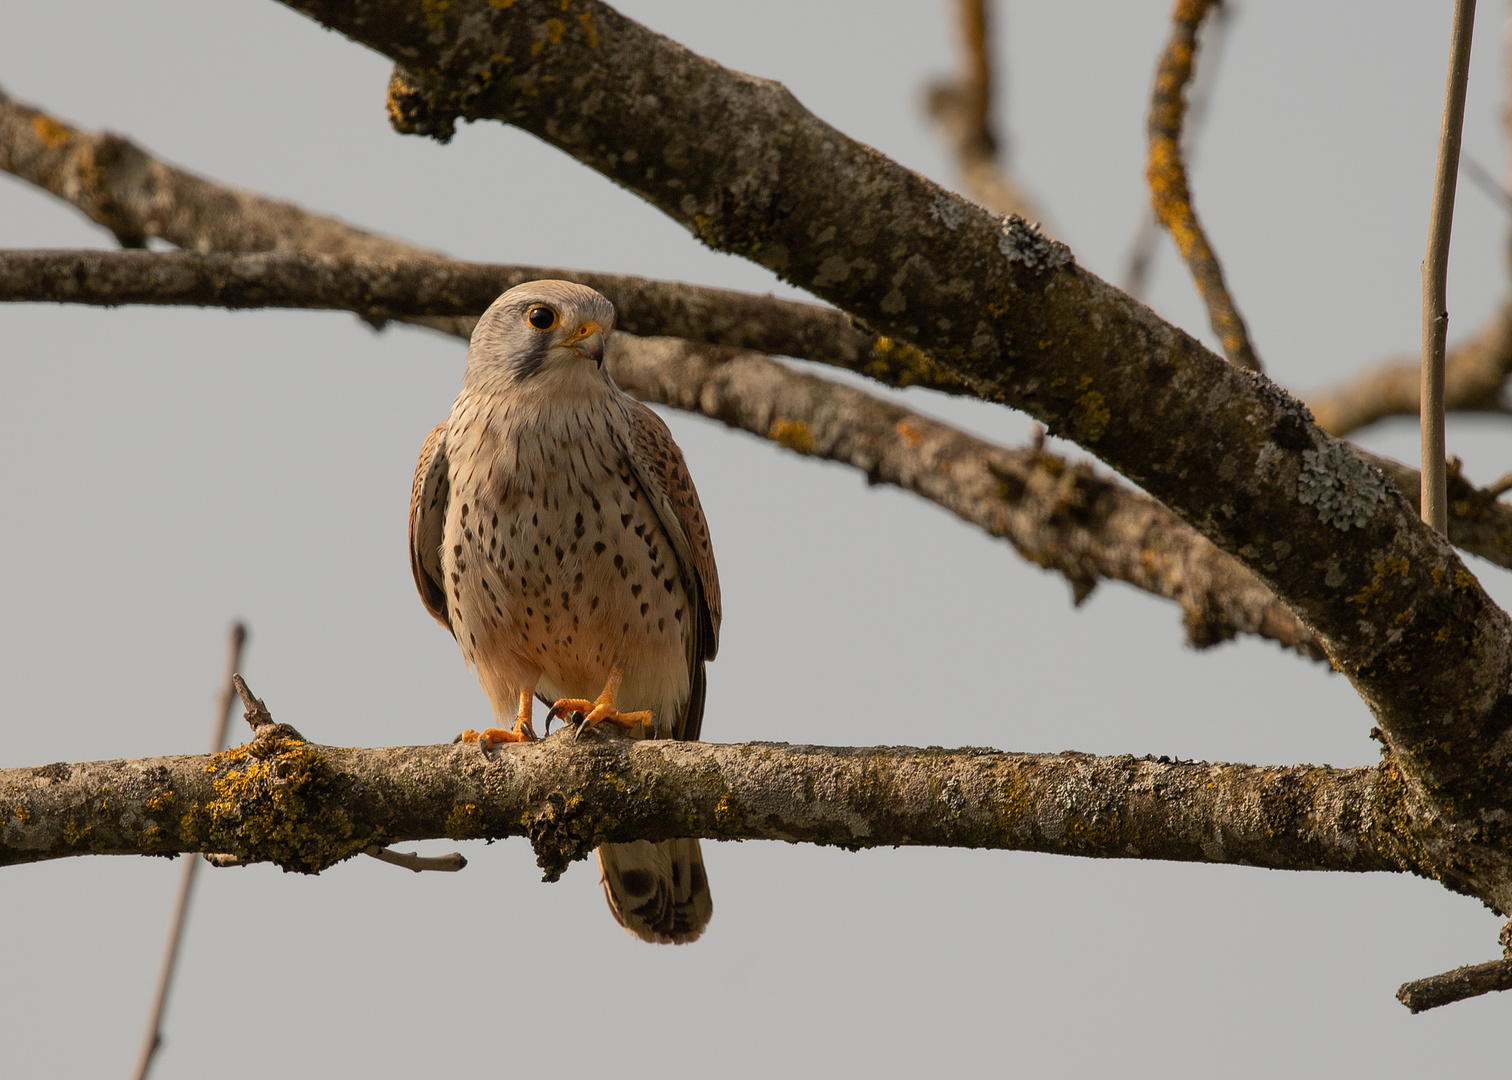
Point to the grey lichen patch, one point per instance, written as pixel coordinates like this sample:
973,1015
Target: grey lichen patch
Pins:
1023,243
1345,490
947,210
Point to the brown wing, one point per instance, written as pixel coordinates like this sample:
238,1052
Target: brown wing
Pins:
427,521
663,473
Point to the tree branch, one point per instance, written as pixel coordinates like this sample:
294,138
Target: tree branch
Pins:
1169,192
1457,985
962,109
1083,525
135,195
306,807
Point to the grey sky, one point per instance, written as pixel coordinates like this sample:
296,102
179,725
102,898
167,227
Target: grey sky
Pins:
166,471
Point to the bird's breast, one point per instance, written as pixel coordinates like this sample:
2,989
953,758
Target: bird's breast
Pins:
557,562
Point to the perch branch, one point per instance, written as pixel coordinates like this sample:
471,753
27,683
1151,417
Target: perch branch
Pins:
962,109
1170,193
306,807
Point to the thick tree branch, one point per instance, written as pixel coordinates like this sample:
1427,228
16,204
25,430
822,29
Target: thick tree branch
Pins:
748,170
306,807
962,108
1170,194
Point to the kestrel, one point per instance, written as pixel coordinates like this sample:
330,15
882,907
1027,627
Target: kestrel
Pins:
555,531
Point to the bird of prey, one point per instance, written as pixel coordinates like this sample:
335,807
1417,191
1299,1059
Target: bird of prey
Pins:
555,531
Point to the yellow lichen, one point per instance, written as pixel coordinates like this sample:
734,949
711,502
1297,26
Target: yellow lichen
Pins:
52,133
435,13
464,822
274,805
793,434
1090,418
586,18
555,28
23,815
161,801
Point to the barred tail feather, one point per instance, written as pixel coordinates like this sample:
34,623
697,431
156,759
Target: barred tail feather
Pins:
659,892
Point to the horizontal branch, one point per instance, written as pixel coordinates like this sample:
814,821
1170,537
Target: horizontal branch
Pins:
135,195
306,807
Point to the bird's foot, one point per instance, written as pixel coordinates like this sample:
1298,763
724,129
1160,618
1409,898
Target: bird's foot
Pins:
488,738
589,714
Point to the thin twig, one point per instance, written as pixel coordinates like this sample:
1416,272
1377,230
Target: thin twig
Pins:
1457,985
1435,499
411,861
1170,194
153,1038
1214,38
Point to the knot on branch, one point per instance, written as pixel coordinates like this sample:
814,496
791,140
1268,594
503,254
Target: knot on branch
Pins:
278,804
564,829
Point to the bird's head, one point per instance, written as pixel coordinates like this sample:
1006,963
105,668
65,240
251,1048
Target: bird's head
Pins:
553,329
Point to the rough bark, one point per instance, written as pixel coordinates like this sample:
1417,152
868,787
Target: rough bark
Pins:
306,807
740,163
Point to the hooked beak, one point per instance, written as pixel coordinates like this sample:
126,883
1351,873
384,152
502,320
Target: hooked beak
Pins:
589,342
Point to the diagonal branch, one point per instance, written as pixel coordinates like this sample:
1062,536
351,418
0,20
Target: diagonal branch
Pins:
1169,192
307,807
962,107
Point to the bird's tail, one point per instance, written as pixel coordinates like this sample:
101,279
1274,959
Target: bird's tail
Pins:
659,892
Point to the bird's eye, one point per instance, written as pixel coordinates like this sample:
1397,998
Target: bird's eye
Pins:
541,317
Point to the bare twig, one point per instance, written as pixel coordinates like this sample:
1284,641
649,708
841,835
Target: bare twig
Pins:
1435,499
1215,32
418,863
962,107
153,1037
1457,985
1169,190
